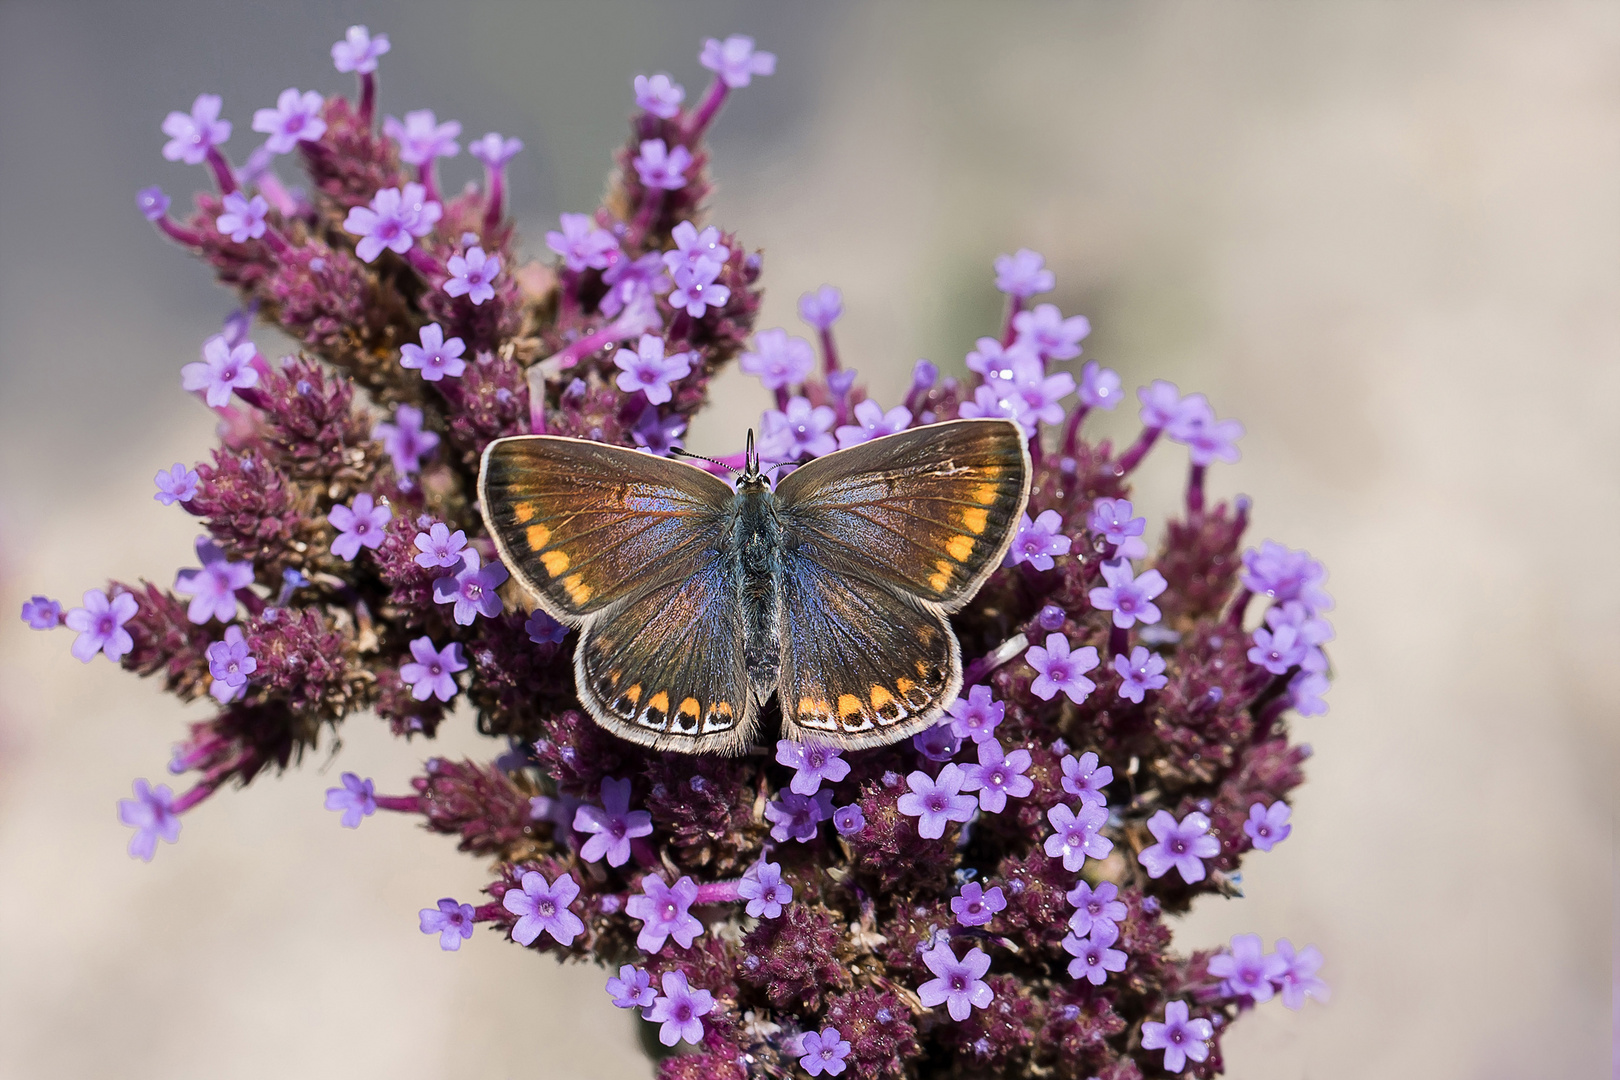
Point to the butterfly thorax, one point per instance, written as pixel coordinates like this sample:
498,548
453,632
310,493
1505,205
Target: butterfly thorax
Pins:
755,542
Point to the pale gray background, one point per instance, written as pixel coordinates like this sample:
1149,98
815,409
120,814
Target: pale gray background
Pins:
1384,236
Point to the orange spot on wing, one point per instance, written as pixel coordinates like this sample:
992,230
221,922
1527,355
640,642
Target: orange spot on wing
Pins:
659,701
524,512
688,707
975,518
578,591
959,547
880,696
634,694
538,536
556,562
848,705
904,684
985,493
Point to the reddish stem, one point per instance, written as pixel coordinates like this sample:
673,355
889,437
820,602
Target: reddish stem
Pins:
224,176
1133,457
697,122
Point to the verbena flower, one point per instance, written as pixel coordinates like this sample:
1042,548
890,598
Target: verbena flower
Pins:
936,800
451,920
1023,274
812,764
355,800
998,776
151,814
1179,1037
659,95
542,908
975,905
361,524
192,135
42,613
1246,969
432,671
975,715
679,1010
1095,908
663,912
1094,956
295,119
223,368
175,484
1182,845
1038,540
99,624
405,440
1086,777
821,308
958,984
1268,826
437,357
612,826
1060,670
767,894
631,988
472,275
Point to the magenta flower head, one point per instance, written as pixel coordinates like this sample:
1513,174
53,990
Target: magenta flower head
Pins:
1075,835
582,244
798,817
611,826
693,247
99,624
1129,597
975,715
1037,541
243,219
493,150
542,907
1140,672
648,370
422,138
359,50
1058,669
736,61
361,524
1182,845
1023,274
396,218
934,801
697,288
1298,979
812,763
222,369
998,776
1246,969
660,167
663,912
175,484
849,820
631,988
957,984
42,613
471,589
1095,909
436,357
976,906
439,546
823,1052
659,94
1283,574
678,1010
1085,778
229,664
452,921
432,672
1045,332
212,588
1179,1037
800,429
778,360
151,815
405,440
1268,826
295,119
192,135
821,308
1100,387
1093,957
767,894
355,800
472,275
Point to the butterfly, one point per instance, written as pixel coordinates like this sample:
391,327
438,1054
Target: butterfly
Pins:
696,602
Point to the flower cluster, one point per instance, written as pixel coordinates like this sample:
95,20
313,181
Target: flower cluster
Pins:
988,898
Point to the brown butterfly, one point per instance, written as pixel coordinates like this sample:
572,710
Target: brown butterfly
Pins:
695,603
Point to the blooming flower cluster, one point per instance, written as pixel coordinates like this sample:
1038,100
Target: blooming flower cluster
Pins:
988,898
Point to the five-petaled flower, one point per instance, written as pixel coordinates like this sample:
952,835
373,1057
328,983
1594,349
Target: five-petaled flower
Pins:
432,672
394,220
1246,969
362,523
849,820
697,288
800,429
1164,409
582,244
631,988
778,359
1140,672
934,801
295,119
494,150
812,763
660,167
43,613
436,357
647,369
678,1010
452,921
997,776
797,817
823,1052
1099,387
151,815
1048,334
976,714
937,743
543,629
822,308
958,984
471,588
1086,778
1037,541
1267,826
404,440
1298,979
1113,520
356,800
1076,835
659,95
175,484
358,51
1057,668
975,905
693,247
1283,574
222,369
439,546
1179,1037
1023,274
767,894
736,61
192,135
472,275
1093,957
229,664
663,912
1128,596
422,138
542,907
612,825
212,588
871,422
1095,908
1183,844
243,219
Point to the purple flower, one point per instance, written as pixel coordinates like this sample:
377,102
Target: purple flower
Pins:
997,776
647,369
660,167
994,361
631,988
395,218
1076,835
176,484
542,906
1036,395
813,764
821,308
1142,672
976,717
582,245
1284,575
872,423
363,523
1095,909
296,118
1059,669
212,588
1093,959
987,402
959,984
976,907
243,219
735,60
612,825
937,743
1037,541
933,801
696,289
471,275
358,51
439,546
849,820
221,370
1086,779
1279,650
823,1053
1023,274
152,202
1305,690
662,910
435,358
1164,407
1049,335
149,813
1179,1037
788,435
797,816
543,629
356,800
422,138
453,923
1298,979
779,360
767,894
1209,440
404,440
1051,617
1111,519
1183,844
657,433
230,663
632,283
659,95
433,672
43,613
678,1010
471,589
1099,387
693,248
1130,598
1268,825
493,150
192,135
1247,970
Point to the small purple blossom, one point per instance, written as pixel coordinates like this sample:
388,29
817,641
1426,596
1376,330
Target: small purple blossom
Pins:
632,283
1086,779
152,202
213,587
937,743
471,588
1298,979
192,135
678,1010
697,288
658,433
472,275
800,429
662,910
582,244
243,219
660,167
767,894
543,629
778,359
797,817
355,800
1282,574
976,716
1059,669
1268,826
1049,335
693,248
358,51
1179,1037
1183,844
1035,395
735,61
435,357
1095,908
362,523
1100,387
1051,617
452,921
958,984
1093,959
1129,597
849,820
1112,520
542,907
1305,690
994,361
631,988
439,546
823,1052
394,220
987,402
1141,672
404,440
812,763
493,150
230,663
151,815
659,94
1209,440
612,825
175,484
422,138
433,671
998,776
1163,407
42,613
976,906
1023,274
221,370
295,119
933,801
1037,541
1076,835
647,369
822,308
1278,650
1246,969
871,422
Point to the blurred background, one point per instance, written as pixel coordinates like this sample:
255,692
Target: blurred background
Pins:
1384,236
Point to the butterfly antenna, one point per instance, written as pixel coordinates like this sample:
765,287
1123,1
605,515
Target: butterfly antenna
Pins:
676,451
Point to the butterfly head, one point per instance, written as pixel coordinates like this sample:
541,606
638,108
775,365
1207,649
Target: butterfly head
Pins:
751,476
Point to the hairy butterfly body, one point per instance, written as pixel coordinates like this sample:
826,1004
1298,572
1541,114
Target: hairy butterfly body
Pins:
696,602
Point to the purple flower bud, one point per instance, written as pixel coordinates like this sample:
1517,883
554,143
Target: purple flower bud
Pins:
821,308
849,820
151,815
152,202
659,95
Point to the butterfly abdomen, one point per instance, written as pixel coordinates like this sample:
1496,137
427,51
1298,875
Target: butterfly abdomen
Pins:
757,538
